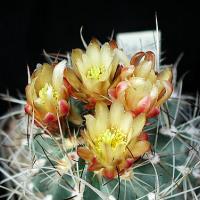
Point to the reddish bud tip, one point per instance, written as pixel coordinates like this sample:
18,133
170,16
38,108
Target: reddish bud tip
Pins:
49,117
109,173
153,112
28,109
91,103
63,107
143,136
129,162
142,106
112,93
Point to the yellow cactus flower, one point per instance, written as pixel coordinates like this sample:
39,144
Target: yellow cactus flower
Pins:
114,140
93,71
47,95
140,87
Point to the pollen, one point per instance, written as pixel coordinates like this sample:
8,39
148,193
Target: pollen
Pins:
95,72
112,137
48,92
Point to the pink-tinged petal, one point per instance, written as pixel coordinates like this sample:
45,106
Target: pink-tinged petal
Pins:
28,109
129,162
68,86
153,112
126,71
143,136
63,107
142,106
112,93
91,103
121,87
49,117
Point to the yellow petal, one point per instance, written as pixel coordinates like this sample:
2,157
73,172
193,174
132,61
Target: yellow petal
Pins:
93,53
165,75
140,148
143,69
118,153
72,79
139,88
30,92
126,122
44,75
160,87
92,85
86,64
90,123
76,55
106,55
42,108
152,76
138,125
114,65
116,112
168,91
104,88
154,95
106,158
57,77
101,115
122,57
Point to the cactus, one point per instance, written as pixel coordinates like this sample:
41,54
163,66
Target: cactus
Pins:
39,164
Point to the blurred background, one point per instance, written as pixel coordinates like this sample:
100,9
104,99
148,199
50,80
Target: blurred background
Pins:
26,28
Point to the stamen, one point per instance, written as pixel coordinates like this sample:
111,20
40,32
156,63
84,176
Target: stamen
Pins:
112,137
47,92
95,72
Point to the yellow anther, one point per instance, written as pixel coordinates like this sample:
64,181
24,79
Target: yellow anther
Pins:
95,72
48,92
112,137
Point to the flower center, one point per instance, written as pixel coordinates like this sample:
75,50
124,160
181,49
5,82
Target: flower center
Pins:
112,137
47,93
95,72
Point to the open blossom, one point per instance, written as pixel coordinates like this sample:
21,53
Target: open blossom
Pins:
114,140
93,71
47,95
140,87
